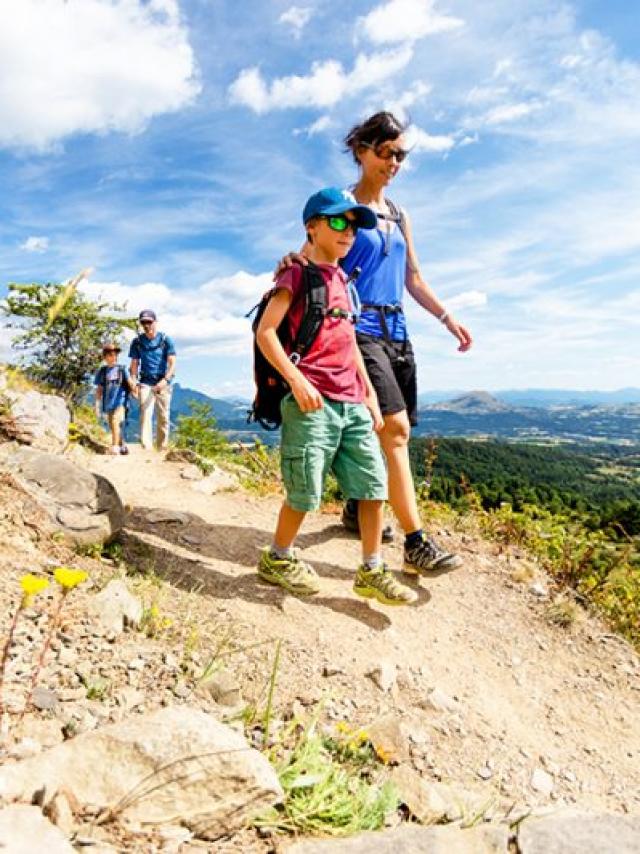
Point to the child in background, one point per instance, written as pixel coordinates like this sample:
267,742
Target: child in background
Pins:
113,386
328,419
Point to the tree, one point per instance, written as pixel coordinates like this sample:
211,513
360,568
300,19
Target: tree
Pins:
61,333
198,431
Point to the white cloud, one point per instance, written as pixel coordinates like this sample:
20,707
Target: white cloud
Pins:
509,113
467,299
89,67
321,124
399,105
35,244
405,21
419,140
297,17
324,86
206,320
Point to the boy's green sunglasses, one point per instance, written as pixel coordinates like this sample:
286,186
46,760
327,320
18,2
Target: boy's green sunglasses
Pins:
339,222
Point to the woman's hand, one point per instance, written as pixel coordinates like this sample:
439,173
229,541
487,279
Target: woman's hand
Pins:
461,333
288,261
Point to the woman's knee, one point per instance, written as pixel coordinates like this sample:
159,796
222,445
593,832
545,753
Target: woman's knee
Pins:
396,430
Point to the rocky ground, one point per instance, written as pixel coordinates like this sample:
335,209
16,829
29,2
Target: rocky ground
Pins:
474,686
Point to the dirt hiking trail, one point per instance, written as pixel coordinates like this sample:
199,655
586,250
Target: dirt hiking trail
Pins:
494,694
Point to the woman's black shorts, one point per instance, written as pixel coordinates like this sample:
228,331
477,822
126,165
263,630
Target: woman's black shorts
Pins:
392,369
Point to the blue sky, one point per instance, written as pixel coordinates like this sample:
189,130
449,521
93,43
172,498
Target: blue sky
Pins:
171,146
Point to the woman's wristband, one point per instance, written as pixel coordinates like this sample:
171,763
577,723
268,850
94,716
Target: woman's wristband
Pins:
444,316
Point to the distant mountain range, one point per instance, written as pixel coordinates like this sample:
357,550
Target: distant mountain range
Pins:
536,415
543,397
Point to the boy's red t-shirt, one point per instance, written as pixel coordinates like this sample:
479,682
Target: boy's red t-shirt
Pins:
330,364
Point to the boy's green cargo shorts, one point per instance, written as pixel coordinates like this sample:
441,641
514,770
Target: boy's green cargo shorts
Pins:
338,437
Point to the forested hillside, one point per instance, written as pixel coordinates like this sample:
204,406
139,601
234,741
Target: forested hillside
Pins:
603,487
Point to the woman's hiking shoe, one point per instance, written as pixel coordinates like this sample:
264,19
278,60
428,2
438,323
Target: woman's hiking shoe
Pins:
381,584
427,556
293,574
350,521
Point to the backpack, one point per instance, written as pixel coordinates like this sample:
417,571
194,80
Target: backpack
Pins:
120,380
161,343
271,388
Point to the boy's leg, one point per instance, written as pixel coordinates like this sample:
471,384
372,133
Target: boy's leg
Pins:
279,563
373,580
147,403
114,419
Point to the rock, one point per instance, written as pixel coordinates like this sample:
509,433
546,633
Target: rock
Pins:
181,455
573,832
24,830
384,675
432,802
191,472
44,699
167,516
224,689
83,506
24,748
41,420
390,739
412,839
130,698
440,702
174,765
538,589
541,781
115,607
45,731
60,813
217,481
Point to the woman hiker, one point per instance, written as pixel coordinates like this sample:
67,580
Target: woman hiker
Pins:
387,259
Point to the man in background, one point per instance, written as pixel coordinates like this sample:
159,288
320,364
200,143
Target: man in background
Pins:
153,364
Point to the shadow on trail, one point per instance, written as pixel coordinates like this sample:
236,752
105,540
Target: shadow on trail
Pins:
180,551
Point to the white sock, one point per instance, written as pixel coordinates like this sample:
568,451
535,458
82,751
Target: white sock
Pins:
281,554
373,561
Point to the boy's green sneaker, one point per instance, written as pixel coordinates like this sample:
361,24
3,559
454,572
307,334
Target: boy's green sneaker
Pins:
293,574
382,585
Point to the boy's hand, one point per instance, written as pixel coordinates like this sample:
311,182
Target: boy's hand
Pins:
288,261
307,397
374,408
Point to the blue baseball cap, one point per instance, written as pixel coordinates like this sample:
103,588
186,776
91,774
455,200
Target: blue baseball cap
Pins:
332,201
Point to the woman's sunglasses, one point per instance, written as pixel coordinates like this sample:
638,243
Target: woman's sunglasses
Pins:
341,223
385,153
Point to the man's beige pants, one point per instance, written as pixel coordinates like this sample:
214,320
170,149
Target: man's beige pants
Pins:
149,399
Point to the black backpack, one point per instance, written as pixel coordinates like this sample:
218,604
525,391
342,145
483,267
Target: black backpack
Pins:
270,386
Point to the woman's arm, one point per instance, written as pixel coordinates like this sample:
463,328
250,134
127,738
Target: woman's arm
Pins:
424,295
307,397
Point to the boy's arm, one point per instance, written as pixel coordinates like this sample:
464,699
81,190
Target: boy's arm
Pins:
98,401
371,398
130,383
307,397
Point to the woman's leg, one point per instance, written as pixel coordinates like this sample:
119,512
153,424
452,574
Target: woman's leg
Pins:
394,440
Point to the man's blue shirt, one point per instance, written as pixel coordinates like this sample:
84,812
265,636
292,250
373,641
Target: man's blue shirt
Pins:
152,354
114,384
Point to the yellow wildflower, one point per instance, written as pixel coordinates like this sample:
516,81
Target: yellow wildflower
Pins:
69,578
31,586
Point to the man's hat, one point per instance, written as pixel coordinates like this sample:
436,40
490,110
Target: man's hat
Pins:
147,314
111,345
331,201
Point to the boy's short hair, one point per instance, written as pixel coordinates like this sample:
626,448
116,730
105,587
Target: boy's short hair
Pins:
111,346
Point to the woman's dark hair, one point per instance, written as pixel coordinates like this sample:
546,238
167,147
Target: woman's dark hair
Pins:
378,128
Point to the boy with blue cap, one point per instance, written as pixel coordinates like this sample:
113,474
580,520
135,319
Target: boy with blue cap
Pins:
329,418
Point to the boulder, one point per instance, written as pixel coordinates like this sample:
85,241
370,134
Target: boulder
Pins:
40,420
175,765
574,832
412,839
24,830
84,506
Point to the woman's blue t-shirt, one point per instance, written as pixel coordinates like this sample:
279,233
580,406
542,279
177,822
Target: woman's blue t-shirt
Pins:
382,279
